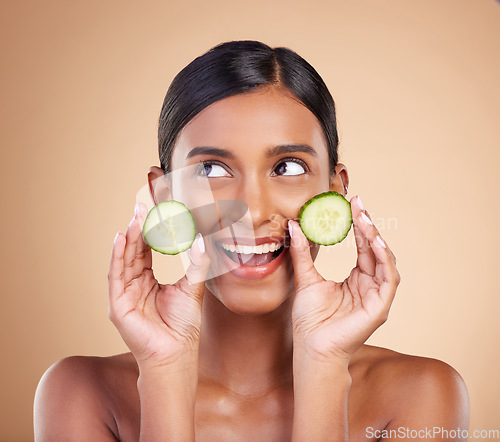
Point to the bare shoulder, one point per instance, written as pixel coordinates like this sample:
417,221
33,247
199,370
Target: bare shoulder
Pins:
76,395
416,391
408,372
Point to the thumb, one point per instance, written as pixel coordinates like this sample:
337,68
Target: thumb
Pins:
193,281
305,274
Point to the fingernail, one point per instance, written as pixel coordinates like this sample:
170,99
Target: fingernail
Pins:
382,243
366,219
131,222
360,204
136,209
201,243
116,236
290,230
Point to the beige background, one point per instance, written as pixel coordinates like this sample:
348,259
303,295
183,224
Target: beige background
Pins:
416,85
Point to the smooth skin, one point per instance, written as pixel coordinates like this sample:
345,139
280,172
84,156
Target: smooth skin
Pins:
279,358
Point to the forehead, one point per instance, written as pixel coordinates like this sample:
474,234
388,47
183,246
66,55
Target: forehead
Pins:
251,122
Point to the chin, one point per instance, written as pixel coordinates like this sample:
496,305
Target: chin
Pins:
253,296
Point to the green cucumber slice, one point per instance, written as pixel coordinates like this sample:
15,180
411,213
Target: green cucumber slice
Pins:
169,228
326,218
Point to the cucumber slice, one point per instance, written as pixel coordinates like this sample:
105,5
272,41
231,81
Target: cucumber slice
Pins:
326,218
169,228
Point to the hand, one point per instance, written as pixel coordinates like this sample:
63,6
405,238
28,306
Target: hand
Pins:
331,319
160,323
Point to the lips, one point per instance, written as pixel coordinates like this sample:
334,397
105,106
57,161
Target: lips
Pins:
252,259
251,266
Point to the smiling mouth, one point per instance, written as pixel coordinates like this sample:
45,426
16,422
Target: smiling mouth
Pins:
251,259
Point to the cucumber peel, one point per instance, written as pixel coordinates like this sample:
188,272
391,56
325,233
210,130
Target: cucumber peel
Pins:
169,228
326,218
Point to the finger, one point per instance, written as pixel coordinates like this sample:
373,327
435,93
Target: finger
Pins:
143,256
364,232
132,235
305,274
193,282
387,275
373,228
366,258
115,275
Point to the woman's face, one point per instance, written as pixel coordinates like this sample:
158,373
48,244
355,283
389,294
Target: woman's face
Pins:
268,157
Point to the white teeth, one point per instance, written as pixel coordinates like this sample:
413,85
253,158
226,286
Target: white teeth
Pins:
248,250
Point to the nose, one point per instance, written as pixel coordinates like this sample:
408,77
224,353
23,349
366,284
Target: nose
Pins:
257,195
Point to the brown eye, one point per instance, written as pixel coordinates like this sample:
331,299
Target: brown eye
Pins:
290,168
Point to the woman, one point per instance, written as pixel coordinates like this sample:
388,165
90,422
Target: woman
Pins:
273,352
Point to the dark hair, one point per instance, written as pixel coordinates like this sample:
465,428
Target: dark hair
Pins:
236,67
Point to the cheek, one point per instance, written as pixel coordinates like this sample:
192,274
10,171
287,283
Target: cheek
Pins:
294,193
289,201
200,200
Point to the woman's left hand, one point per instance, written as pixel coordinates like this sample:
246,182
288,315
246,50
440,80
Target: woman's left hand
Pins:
332,320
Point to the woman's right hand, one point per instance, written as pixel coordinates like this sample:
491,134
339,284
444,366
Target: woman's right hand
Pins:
160,323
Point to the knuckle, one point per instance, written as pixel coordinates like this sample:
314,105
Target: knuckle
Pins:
141,254
205,258
302,285
307,279
194,267
129,263
112,276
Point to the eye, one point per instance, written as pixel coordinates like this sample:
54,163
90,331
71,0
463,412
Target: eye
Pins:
211,169
292,166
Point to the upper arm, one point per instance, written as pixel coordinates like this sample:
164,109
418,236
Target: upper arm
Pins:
435,403
68,404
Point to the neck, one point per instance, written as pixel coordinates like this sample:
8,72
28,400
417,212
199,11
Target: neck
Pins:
249,355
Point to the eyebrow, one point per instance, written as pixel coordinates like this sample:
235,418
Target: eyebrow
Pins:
270,152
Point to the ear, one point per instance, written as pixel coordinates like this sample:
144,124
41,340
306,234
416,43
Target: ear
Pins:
160,188
340,182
